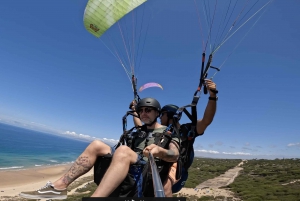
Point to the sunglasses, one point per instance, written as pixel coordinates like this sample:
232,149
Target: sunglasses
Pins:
146,110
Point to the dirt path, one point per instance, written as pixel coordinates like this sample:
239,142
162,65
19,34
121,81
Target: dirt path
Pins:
211,187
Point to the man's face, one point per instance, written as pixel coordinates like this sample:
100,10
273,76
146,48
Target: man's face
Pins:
164,118
147,114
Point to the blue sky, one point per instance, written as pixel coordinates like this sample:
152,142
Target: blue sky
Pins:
56,76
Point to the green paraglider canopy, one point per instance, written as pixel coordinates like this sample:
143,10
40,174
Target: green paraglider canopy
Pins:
100,15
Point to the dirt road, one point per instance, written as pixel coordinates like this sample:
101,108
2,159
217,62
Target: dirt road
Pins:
211,187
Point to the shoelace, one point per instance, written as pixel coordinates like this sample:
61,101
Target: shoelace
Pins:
46,186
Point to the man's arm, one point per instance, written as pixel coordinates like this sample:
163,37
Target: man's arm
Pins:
172,153
137,122
169,155
210,110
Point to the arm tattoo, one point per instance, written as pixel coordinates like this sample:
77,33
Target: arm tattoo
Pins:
172,154
81,166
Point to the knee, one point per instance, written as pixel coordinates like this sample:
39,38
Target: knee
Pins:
125,153
97,143
122,151
99,147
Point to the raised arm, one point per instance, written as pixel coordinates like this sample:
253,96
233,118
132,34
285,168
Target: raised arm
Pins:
211,108
137,122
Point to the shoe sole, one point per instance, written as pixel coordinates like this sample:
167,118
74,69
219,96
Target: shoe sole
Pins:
42,196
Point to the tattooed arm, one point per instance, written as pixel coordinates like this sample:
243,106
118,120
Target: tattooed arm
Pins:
169,155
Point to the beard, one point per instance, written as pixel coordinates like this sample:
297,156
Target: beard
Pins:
146,120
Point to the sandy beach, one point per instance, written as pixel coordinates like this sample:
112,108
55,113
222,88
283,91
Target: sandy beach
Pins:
15,181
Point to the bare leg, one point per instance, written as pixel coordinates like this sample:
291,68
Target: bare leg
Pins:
83,163
168,187
116,172
170,181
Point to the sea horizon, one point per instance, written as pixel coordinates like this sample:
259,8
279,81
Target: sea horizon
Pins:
22,148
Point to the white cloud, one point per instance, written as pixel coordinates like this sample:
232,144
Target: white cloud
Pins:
73,134
82,135
70,133
294,144
226,153
111,140
208,151
237,153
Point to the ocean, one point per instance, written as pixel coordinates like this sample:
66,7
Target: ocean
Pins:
21,148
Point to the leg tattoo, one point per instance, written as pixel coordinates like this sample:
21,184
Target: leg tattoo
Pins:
81,166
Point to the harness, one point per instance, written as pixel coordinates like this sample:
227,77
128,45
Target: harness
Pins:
138,182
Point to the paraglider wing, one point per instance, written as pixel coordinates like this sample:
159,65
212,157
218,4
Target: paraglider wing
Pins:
100,15
150,84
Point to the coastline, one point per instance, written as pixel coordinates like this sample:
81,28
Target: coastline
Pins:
13,182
